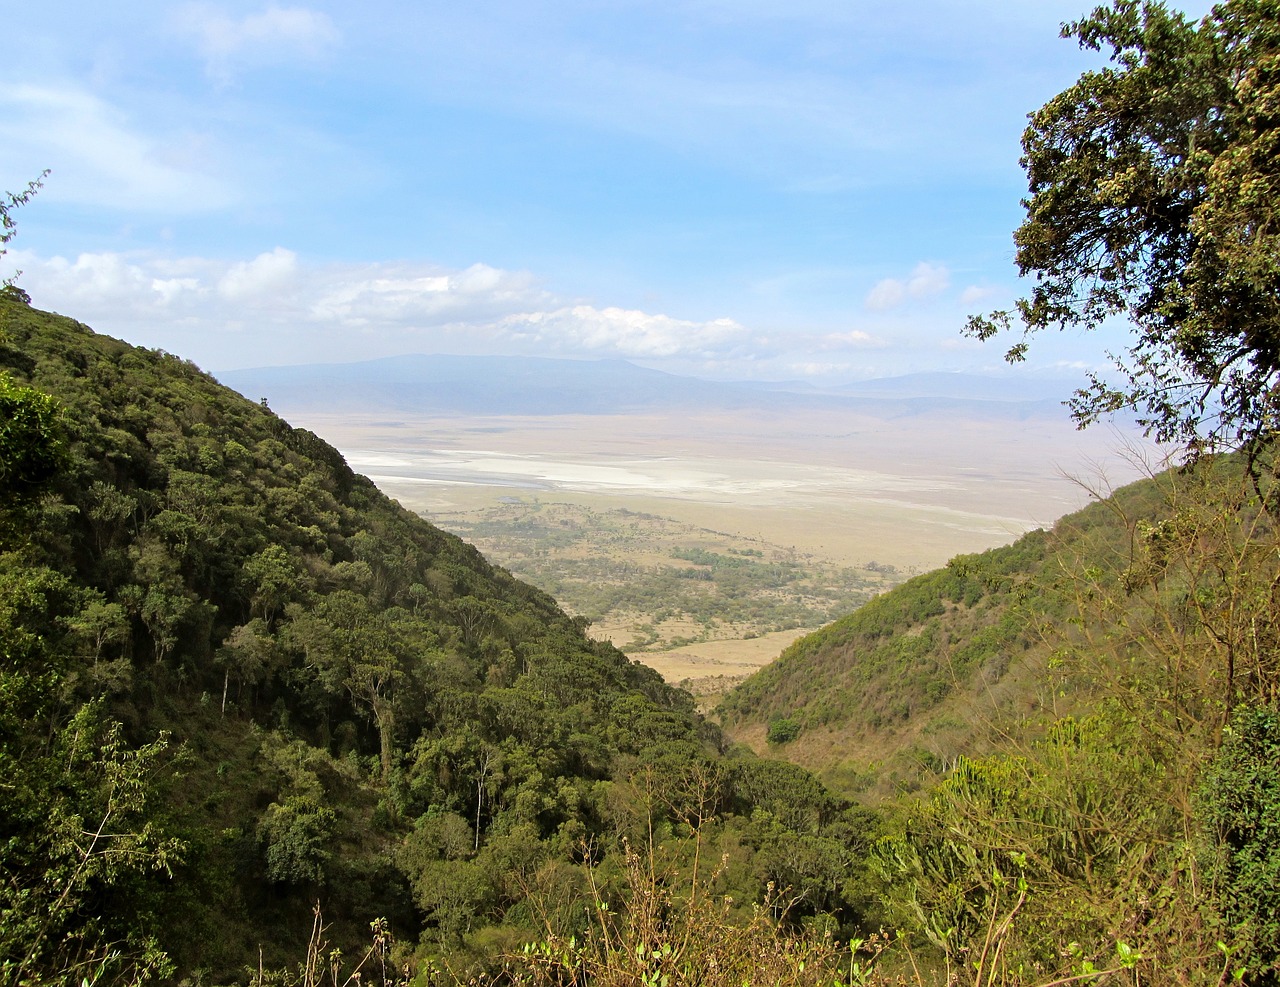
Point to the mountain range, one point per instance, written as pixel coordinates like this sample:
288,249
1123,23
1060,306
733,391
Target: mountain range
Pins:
498,385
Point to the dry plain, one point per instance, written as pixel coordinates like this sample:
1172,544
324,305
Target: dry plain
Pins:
878,499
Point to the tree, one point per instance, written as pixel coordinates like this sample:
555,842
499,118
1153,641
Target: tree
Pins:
1155,195
31,444
8,230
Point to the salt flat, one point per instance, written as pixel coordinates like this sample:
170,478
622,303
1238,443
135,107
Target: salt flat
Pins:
910,493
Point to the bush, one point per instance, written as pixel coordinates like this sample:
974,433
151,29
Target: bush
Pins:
1240,801
783,730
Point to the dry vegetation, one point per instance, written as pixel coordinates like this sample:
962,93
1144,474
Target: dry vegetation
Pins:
832,493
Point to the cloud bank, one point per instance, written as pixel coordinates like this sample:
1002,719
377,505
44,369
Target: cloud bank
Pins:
279,309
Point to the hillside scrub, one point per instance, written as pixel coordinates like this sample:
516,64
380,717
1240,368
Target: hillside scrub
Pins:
1135,838
1106,808
1128,836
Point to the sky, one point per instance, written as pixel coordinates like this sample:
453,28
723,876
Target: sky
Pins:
737,189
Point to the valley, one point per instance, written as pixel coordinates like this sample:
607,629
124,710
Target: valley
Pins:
665,583
365,711
591,508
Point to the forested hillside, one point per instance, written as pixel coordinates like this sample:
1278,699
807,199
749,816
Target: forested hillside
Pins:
236,680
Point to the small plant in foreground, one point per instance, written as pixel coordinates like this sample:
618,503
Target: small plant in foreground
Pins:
325,967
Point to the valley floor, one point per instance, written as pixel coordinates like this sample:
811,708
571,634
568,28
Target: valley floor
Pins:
876,500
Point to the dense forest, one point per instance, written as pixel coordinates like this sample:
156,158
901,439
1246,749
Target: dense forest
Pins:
238,680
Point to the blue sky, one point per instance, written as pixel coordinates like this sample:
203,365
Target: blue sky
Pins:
758,188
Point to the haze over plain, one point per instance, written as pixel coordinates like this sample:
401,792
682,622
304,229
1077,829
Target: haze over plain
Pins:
585,475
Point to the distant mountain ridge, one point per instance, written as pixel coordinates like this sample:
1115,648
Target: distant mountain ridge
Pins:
498,385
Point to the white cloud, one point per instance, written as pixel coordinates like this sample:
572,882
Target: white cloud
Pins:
99,156
107,278
974,294
201,307
623,332
400,295
170,289
278,308
274,33
887,294
265,274
853,339
925,281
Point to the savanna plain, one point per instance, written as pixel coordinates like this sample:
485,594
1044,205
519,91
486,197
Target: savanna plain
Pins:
703,543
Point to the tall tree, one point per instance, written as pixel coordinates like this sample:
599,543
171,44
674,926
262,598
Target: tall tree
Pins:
1154,185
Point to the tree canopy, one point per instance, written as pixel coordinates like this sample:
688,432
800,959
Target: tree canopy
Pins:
263,683
1153,196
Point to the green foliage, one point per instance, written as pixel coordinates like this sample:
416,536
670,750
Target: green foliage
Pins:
904,654
78,847
1123,832
1152,196
366,710
31,448
296,835
77,836
1162,593
670,935
1240,804
1016,854
783,730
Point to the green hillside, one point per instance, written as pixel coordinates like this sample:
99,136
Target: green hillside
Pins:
885,698
1077,735
235,680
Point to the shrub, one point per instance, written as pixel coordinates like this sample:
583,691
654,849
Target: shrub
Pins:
1240,801
783,730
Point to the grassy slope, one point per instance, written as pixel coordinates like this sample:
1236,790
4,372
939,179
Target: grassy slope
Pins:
888,696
